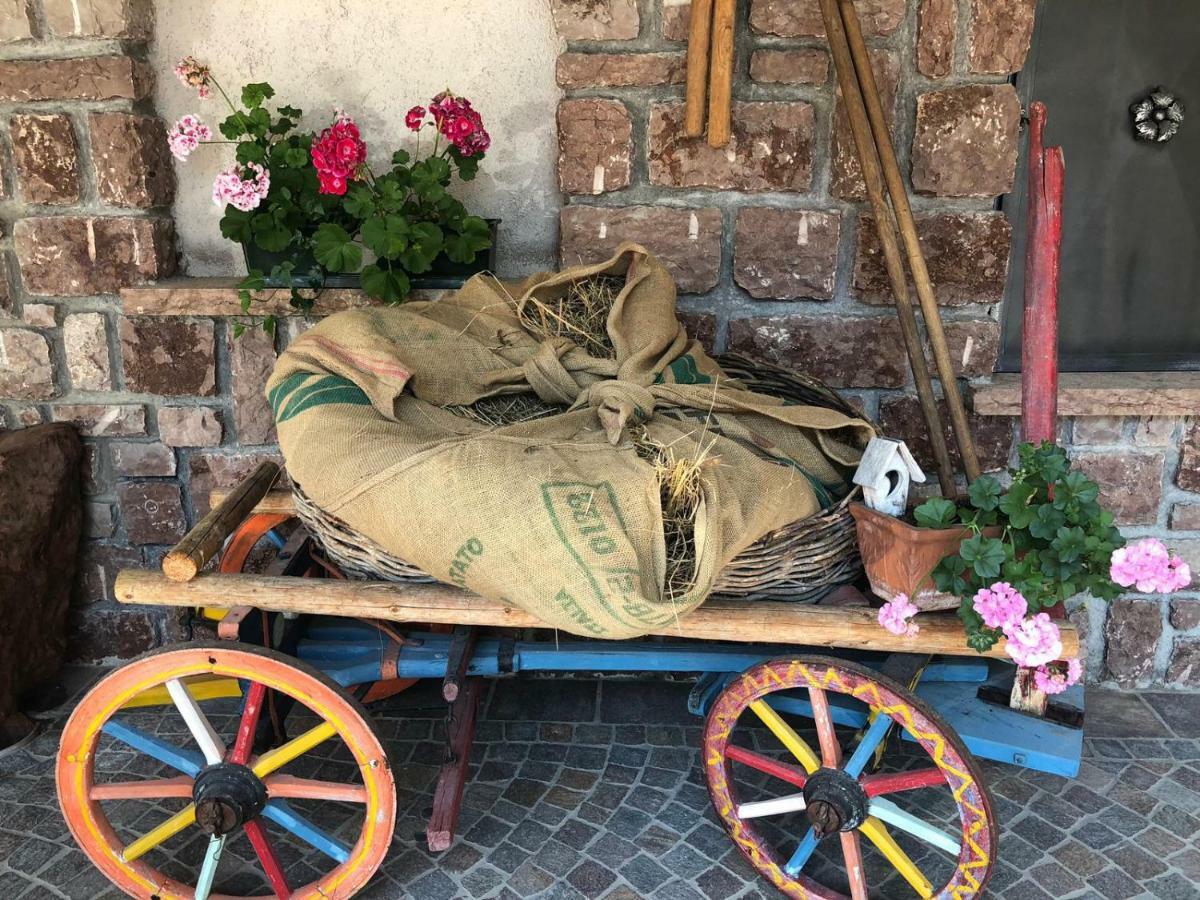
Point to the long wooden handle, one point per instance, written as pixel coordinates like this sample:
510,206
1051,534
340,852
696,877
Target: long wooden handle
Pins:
699,35
720,82
204,541
884,223
908,233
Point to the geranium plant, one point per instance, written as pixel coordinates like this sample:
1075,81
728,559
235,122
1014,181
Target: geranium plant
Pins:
316,200
1056,541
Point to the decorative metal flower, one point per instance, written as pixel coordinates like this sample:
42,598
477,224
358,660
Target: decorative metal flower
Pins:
1157,117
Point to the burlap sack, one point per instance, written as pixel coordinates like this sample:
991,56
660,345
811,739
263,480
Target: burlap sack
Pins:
559,515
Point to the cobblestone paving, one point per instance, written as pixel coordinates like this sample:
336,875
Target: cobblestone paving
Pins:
585,789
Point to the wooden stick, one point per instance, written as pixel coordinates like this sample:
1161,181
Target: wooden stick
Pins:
699,35
720,81
869,159
718,619
204,541
448,795
908,232
274,502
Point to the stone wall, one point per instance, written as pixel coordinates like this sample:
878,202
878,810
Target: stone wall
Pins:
769,240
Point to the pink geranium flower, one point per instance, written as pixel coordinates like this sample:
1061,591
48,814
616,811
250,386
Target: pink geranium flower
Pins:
1052,679
186,136
338,155
1001,605
242,193
1148,565
895,614
195,75
1034,641
415,118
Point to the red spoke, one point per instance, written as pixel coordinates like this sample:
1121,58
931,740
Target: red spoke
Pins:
266,856
831,750
852,854
894,782
290,787
781,770
249,724
154,789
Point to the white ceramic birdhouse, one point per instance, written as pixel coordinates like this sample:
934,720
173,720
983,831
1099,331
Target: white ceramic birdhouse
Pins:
885,472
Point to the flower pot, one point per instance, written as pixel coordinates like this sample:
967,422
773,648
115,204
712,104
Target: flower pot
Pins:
899,558
445,273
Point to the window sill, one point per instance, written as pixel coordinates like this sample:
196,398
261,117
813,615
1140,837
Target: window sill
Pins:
1100,394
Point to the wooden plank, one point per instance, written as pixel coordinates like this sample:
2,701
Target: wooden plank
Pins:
718,619
720,74
699,35
273,502
447,797
1100,394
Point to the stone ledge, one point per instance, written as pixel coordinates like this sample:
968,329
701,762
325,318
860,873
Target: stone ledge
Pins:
1100,394
218,296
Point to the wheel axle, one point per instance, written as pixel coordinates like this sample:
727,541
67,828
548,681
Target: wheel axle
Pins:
227,796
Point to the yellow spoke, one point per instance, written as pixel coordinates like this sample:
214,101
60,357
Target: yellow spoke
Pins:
878,834
153,838
787,735
281,756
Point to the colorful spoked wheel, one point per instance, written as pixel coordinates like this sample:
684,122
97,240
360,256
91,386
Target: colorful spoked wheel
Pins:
816,798
159,784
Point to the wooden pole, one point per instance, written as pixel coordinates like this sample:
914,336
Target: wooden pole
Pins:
204,541
869,159
720,82
699,36
908,233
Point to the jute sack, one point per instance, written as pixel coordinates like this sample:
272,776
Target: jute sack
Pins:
559,516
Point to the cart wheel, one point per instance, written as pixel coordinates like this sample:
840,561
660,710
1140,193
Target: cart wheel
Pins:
782,798
195,817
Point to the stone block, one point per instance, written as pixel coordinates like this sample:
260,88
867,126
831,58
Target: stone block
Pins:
1185,517
72,256
101,419
1155,431
999,36
251,360
966,253
152,511
596,20
132,160
94,470
6,297
46,159
700,326
26,415
583,70
189,426
85,78
26,372
676,19
901,418
1130,483
168,356
213,469
139,459
15,24
974,346
770,149
1185,614
937,24
595,146
99,520
1132,632
804,66
98,567
1188,476
1098,430
846,180
965,144
1184,666
120,19
802,18
85,338
99,635
841,351
39,315
786,254
686,241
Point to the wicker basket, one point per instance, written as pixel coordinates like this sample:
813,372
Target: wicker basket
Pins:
799,562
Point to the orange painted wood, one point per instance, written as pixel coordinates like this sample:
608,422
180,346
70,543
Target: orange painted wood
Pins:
291,787
153,789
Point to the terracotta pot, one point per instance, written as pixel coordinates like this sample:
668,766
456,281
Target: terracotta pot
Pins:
899,558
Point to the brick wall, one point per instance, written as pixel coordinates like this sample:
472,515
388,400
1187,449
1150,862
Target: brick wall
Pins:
769,240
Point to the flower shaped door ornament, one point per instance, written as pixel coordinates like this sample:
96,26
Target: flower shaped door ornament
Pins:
1158,116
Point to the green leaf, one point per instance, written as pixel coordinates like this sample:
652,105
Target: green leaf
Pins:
386,284
359,202
335,249
291,112
949,576
253,95
238,330
386,236
984,555
250,151
268,325
270,233
1046,522
295,157
937,512
235,225
1069,543
984,492
1016,504
258,123
439,169
233,126
401,158
424,244
468,166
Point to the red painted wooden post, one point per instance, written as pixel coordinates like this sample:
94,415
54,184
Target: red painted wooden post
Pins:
447,797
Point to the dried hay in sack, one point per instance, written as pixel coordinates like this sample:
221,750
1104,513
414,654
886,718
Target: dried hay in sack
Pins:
563,514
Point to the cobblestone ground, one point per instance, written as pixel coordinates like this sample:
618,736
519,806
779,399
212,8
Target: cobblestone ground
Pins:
586,789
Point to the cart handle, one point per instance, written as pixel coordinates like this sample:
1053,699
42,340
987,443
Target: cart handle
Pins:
206,539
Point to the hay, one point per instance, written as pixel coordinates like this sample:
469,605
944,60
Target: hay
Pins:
581,314
507,409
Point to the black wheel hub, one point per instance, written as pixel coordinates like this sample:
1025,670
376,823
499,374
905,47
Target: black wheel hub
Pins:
227,796
834,801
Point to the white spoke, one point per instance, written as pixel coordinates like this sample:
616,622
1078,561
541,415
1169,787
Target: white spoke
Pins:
197,723
775,807
208,871
892,814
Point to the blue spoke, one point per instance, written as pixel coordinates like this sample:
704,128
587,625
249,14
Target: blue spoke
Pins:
188,762
802,854
281,813
872,739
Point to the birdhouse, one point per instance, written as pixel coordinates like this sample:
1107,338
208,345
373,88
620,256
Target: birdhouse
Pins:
885,472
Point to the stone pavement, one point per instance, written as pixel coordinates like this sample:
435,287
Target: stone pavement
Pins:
593,789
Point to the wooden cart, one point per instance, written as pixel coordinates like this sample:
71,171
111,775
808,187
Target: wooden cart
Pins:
275,738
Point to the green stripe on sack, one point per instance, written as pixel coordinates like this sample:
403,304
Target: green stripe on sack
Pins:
285,387
684,371
324,391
